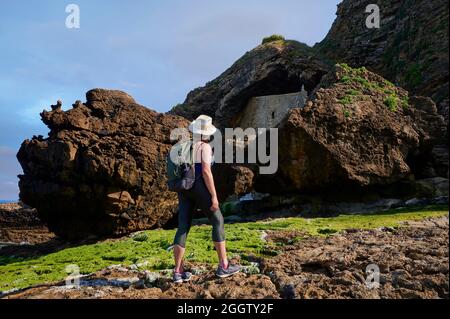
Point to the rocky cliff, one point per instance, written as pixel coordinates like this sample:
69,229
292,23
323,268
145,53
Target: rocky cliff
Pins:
410,48
357,127
275,67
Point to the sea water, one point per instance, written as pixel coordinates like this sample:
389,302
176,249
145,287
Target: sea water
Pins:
5,201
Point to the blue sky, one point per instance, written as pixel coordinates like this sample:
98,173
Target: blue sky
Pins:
155,50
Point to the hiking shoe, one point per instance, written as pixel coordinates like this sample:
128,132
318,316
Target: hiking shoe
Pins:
231,270
186,276
177,278
183,277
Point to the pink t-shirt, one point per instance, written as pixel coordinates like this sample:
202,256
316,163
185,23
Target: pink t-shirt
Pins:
204,150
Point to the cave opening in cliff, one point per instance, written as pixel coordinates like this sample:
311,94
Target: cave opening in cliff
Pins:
277,83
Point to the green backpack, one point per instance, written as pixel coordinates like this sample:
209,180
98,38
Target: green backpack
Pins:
180,167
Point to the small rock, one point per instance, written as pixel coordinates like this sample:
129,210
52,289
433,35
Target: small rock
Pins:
415,202
289,291
250,270
77,104
388,229
441,200
150,277
112,267
133,267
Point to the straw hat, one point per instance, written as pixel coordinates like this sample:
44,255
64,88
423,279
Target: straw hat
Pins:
203,125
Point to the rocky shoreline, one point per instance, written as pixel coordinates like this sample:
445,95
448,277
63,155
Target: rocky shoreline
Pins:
20,224
413,262
362,120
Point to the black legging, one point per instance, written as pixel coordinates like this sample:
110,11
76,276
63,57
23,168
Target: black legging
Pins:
197,198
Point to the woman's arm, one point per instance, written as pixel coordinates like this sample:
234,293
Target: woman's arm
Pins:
206,152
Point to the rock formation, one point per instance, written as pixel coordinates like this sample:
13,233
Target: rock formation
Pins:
358,129
232,180
410,48
102,169
272,68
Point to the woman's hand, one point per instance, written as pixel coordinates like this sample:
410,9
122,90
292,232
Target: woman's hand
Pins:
215,204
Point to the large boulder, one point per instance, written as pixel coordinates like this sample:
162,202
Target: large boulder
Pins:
232,180
102,169
358,130
276,67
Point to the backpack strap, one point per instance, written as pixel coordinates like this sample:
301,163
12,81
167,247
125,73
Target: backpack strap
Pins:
201,151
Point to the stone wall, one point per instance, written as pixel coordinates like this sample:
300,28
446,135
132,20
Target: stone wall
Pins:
269,111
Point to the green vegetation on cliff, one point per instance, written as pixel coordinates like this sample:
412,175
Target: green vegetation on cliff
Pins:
150,248
273,38
414,44
359,78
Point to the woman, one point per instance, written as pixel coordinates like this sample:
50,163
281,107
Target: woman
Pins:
202,196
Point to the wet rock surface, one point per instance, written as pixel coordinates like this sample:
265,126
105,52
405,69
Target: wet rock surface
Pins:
288,206
21,225
412,261
129,284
